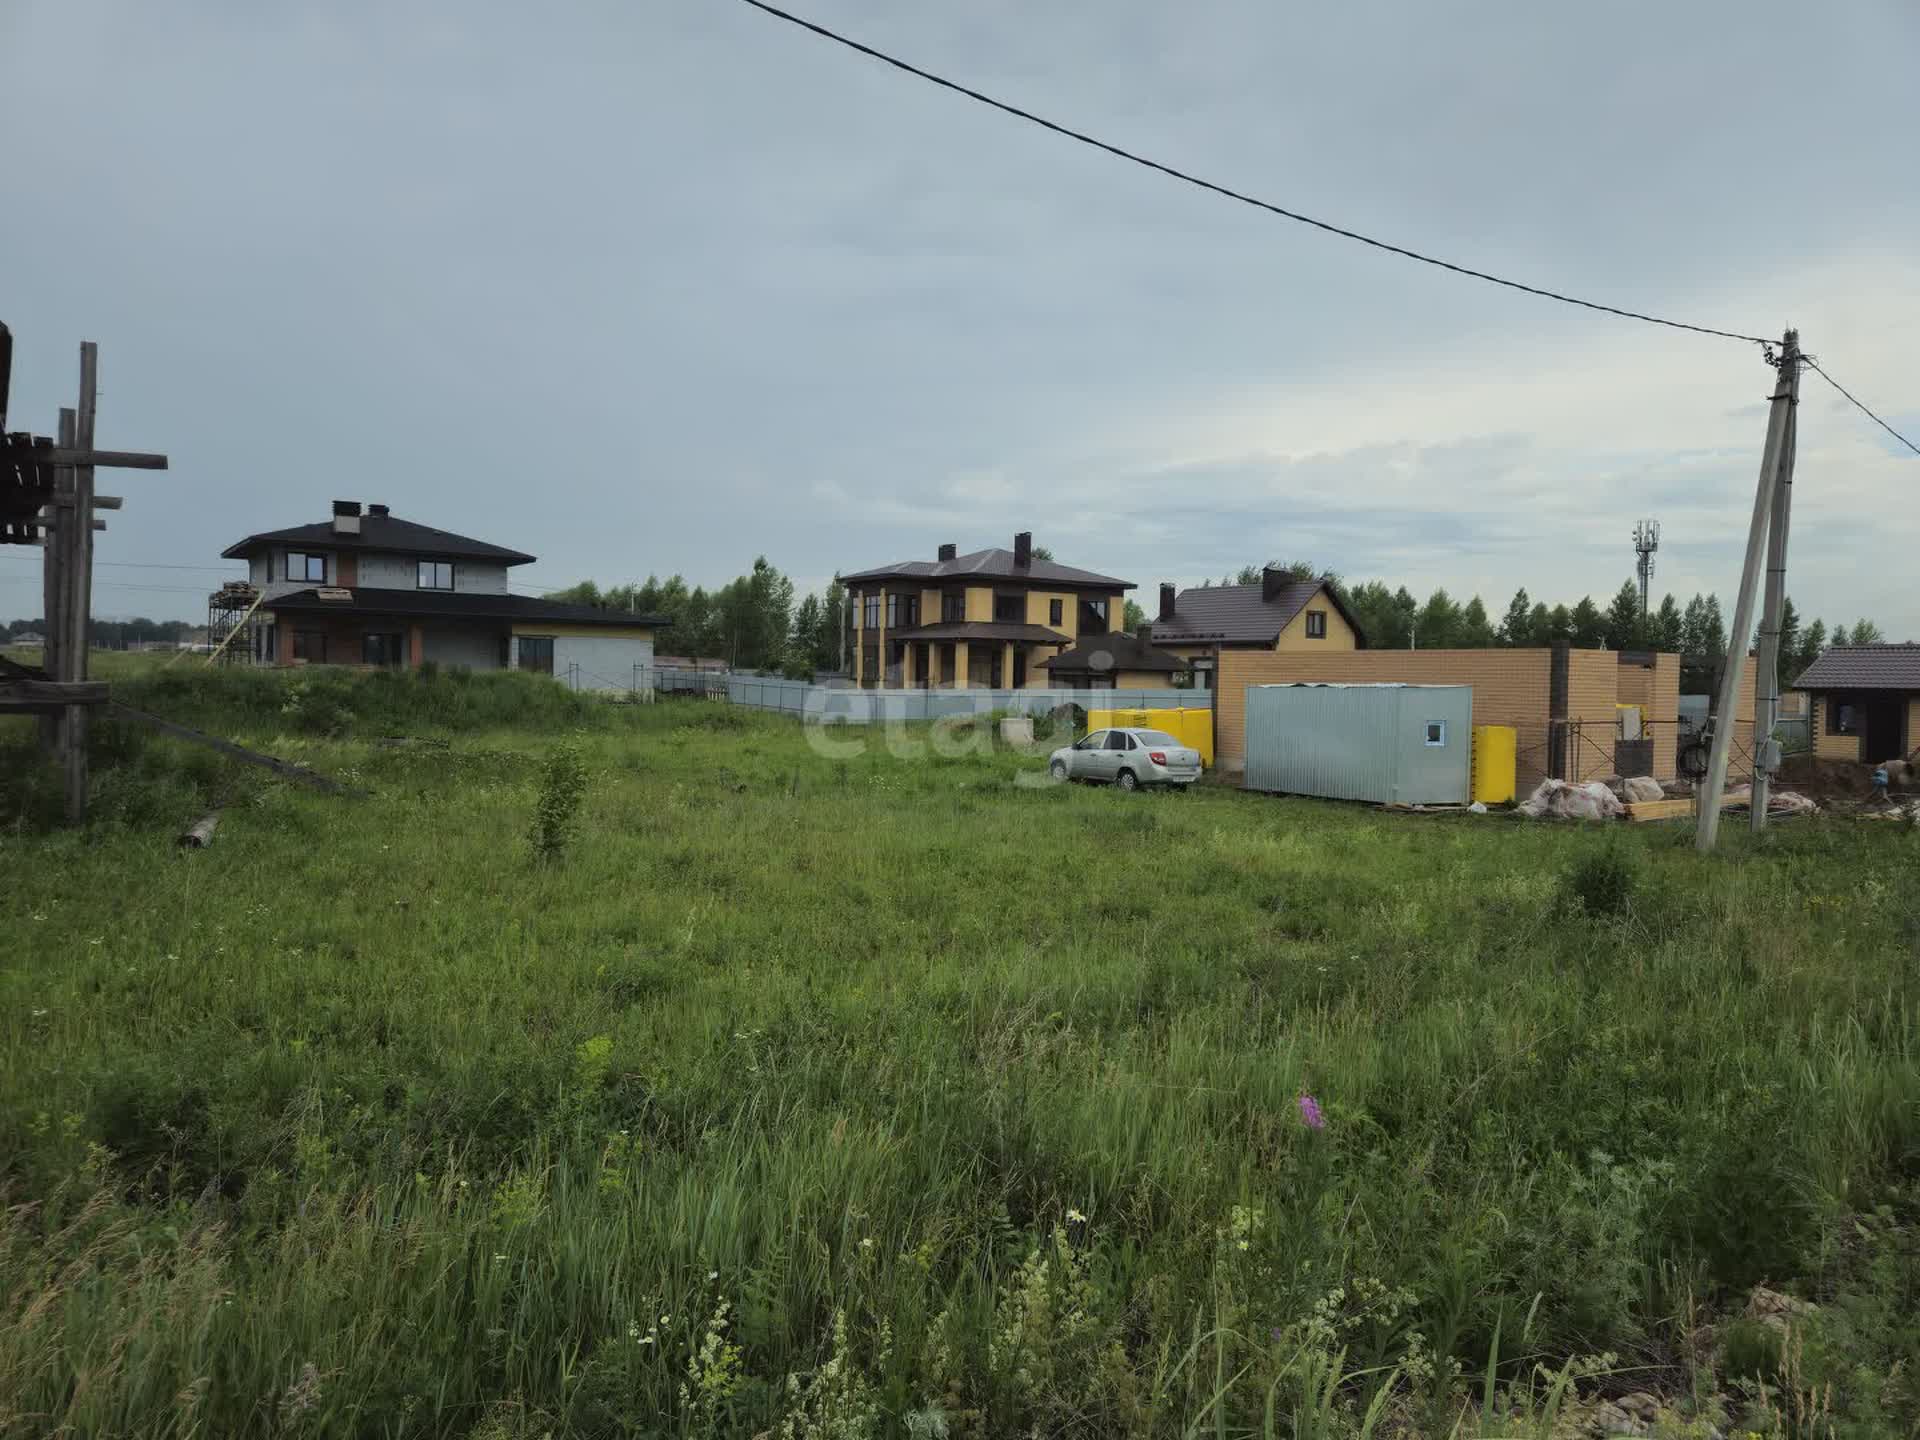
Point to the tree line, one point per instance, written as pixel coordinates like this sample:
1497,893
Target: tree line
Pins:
113,634
755,621
1393,618
752,622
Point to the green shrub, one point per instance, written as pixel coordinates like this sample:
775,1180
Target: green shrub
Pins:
563,781
1750,1351
1604,883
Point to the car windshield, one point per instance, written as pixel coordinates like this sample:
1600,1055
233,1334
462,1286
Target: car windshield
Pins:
1155,737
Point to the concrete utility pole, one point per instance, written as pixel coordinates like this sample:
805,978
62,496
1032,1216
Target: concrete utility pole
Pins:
1766,705
1774,459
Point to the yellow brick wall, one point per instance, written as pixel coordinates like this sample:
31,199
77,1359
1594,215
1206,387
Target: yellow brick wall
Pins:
1339,634
1593,687
1510,687
1832,747
1656,689
1040,611
1663,709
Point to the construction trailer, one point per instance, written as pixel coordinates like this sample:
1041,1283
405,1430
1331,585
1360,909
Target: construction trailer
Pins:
1390,744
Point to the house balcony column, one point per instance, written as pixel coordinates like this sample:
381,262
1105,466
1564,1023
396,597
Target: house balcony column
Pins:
416,646
1006,667
880,643
962,676
906,666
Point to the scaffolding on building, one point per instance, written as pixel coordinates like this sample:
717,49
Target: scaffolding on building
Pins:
231,631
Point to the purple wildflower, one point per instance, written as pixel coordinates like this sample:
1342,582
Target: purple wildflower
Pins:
1310,1113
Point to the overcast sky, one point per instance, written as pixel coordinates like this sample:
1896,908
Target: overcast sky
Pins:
661,285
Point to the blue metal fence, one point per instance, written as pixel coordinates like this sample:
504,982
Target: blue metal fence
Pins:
675,680
833,706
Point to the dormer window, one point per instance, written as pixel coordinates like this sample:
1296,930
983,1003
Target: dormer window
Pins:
308,567
436,575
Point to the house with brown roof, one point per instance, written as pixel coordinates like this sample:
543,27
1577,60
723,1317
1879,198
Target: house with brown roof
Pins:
1865,702
1282,612
988,619
369,588
1115,661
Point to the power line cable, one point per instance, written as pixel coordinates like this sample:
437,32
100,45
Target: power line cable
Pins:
1858,406
1226,191
144,565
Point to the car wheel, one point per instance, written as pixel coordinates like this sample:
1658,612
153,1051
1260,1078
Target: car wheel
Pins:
1058,770
1127,780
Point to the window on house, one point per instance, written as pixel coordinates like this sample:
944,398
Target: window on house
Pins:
1436,732
1093,617
383,648
311,646
1842,718
953,605
902,611
304,566
1316,624
435,575
1010,609
871,619
870,665
1056,612
536,654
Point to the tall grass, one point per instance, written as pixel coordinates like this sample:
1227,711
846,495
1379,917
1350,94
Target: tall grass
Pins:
873,1096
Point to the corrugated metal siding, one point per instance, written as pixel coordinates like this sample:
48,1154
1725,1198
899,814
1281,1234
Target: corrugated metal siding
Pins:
604,662
1360,742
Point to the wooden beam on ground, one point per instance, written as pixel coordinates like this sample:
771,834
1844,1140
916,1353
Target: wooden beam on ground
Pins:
284,768
1643,810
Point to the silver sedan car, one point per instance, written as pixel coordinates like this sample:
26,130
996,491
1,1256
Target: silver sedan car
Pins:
1127,758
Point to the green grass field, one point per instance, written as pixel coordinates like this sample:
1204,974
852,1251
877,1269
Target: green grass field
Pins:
857,1095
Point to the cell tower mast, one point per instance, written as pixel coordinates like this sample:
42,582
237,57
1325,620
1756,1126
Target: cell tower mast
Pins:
1646,540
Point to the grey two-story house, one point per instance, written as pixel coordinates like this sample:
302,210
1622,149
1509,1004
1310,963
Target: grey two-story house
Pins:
368,588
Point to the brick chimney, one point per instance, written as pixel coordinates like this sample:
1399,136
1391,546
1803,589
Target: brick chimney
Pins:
346,517
1273,581
1023,550
949,552
1166,601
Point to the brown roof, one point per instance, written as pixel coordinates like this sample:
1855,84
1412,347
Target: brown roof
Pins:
1104,654
981,630
995,565
1863,667
1239,615
381,532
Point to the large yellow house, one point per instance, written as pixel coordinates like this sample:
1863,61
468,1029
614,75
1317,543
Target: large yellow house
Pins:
986,620
1282,612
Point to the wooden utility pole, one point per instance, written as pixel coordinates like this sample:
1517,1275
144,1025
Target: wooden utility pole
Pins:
1766,704
1773,460
77,523
47,499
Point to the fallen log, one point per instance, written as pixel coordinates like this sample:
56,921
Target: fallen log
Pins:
284,768
199,835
